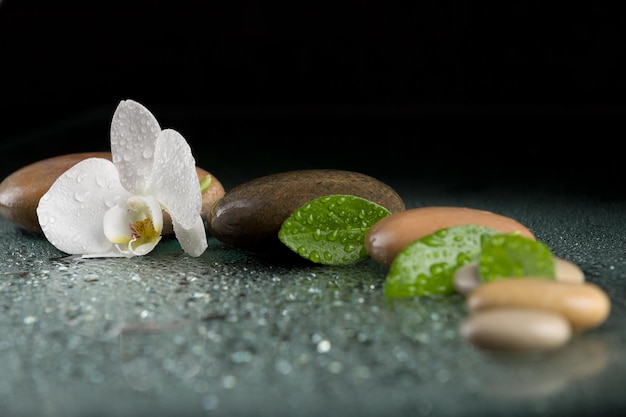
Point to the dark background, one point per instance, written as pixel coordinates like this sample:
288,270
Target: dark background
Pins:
508,92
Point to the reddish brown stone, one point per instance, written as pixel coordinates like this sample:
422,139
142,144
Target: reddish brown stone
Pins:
20,192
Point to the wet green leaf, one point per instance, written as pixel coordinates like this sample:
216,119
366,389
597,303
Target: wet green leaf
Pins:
513,255
331,230
426,266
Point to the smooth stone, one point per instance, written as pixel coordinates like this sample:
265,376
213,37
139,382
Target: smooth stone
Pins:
389,236
585,305
21,191
250,215
566,271
467,277
515,329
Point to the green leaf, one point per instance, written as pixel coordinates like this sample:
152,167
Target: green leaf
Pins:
426,266
513,255
331,230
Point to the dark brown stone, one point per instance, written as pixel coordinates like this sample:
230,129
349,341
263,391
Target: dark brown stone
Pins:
250,215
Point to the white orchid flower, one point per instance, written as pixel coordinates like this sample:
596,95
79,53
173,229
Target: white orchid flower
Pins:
100,208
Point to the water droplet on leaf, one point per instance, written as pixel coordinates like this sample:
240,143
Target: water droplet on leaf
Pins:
333,225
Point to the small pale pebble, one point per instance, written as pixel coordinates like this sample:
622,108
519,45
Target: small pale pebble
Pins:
21,191
389,236
566,271
467,277
250,215
585,305
514,329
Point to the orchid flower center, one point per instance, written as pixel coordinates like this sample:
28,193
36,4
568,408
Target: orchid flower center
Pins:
134,228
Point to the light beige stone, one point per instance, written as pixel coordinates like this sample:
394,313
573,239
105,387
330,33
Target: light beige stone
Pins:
466,278
515,329
585,305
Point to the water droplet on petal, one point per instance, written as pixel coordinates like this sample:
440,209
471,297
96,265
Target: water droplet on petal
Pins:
81,195
71,174
109,201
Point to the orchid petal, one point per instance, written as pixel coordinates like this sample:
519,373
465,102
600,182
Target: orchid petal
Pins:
134,131
72,210
146,248
115,225
193,240
175,179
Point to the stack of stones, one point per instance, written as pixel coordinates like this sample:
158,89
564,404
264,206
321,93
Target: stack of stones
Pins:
510,314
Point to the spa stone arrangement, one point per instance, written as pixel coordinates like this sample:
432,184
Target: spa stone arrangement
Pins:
498,285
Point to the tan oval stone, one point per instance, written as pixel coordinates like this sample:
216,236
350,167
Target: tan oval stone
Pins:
250,215
20,191
390,235
585,305
515,329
